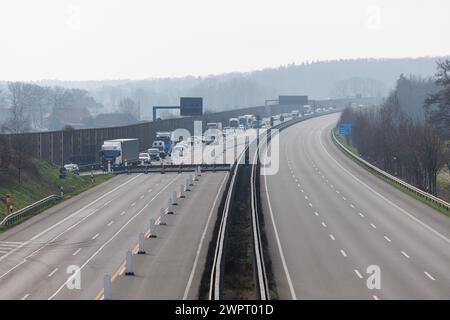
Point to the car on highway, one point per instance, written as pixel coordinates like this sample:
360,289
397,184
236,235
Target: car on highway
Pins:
161,146
72,167
144,157
154,154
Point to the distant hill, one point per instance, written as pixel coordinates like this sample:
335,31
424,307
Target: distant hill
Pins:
319,80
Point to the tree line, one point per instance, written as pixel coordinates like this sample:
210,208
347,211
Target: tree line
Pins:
395,139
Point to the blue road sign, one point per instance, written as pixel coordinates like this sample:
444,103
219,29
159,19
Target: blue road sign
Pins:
345,129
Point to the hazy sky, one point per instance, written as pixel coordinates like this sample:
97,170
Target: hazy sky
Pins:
135,39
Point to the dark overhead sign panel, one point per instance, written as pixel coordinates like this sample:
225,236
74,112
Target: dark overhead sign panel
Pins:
191,106
293,100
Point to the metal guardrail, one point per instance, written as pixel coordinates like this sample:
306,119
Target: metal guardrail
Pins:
28,210
173,168
216,278
409,187
217,267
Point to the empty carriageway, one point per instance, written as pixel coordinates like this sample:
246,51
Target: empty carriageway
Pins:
330,224
63,252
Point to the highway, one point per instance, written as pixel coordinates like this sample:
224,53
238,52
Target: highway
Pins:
328,220
94,230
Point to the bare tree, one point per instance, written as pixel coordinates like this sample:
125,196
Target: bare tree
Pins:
438,104
19,119
128,105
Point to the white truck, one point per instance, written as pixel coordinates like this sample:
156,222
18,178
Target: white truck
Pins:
119,152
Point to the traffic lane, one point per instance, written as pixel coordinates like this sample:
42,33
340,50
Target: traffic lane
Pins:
409,239
113,246
168,270
363,244
314,264
424,213
55,254
34,234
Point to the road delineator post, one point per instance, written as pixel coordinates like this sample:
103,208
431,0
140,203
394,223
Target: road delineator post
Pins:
169,206
187,185
174,198
129,264
191,181
162,217
199,171
141,243
106,286
182,191
152,228
163,169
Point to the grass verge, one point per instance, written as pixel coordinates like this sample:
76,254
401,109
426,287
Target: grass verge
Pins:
39,182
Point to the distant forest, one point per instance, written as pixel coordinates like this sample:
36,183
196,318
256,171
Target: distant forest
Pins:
318,80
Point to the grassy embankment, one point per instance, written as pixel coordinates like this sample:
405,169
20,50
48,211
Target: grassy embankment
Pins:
443,179
39,182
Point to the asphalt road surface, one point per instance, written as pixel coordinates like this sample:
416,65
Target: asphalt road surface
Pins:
331,225
91,231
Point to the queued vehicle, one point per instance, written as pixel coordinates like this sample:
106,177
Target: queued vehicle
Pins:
166,137
154,154
234,123
119,152
161,146
72,167
144,157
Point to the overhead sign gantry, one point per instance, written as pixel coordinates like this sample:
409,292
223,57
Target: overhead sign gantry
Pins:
189,106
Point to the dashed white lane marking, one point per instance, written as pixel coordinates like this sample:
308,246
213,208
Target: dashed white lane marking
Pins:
343,253
316,213
358,274
95,237
133,204
375,298
387,239
76,252
110,223
405,254
331,186
306,197
324,224
362,216
310,204
142,197
25,297
302,190
299,185
373,226
352,206
150,190
108,202
429,275
332,237
53,272
344,198
337,191
122,213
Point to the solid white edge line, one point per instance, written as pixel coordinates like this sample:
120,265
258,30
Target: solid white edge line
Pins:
406,213
277,237
110,239
62,221
202,238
